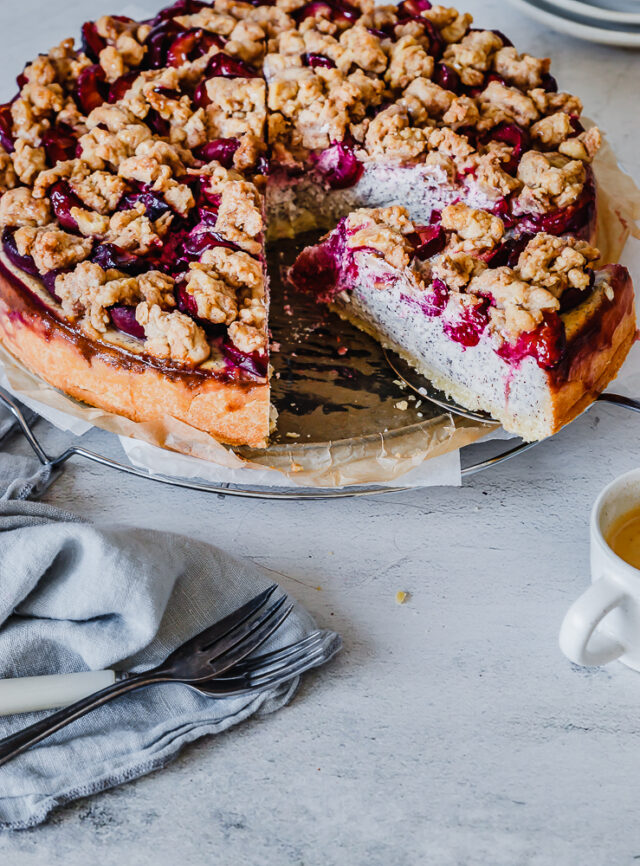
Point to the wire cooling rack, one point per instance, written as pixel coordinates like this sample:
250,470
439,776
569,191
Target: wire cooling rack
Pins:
26,420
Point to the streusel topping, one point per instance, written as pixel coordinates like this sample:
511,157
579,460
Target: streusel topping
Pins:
472,230
87,293
51,248
517,297
105,184
172,334
460,79
550,181
557,264
140,160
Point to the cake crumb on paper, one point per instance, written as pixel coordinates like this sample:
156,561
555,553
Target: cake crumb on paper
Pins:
402,597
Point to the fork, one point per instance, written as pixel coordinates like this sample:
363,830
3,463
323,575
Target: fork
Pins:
29,694
209,654
269,670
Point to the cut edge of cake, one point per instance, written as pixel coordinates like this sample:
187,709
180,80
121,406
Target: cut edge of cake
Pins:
560,400
530,364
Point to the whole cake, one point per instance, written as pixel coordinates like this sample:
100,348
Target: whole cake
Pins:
142,175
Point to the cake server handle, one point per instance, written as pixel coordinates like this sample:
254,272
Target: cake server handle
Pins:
28,694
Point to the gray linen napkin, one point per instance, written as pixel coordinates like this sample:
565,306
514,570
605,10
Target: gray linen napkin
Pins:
74,597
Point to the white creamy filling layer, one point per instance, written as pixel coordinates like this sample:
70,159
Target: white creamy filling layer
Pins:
302,204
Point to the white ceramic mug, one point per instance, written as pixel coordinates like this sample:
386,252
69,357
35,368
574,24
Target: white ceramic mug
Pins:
604,623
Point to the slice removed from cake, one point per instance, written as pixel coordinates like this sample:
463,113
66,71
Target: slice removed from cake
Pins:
519,325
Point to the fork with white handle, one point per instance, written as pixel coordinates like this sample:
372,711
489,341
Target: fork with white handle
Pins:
265,671
214,662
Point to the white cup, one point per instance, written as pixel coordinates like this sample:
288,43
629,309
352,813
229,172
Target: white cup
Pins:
604,623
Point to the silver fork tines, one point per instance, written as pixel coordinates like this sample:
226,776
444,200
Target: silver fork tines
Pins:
283,666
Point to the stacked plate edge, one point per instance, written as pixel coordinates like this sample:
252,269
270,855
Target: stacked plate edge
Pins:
609,22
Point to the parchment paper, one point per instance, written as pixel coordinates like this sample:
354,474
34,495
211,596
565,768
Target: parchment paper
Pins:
418,444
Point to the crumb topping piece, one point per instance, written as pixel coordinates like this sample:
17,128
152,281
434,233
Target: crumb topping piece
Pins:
556,263
473,55
408,60
172,334
517,306
452,24
550,180
87,292
237,268
520,70
214,299
240,215
247,338
384,230
546,268
237,106
499,103
18,207
391,136
99,190
28,161
473,230
457,268
51,248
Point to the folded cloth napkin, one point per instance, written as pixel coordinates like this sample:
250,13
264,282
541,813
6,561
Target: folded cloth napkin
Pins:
74,597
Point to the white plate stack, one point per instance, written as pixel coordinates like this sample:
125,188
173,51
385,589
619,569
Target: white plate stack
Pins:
611,22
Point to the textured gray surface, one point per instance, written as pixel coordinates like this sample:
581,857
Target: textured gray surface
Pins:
451,730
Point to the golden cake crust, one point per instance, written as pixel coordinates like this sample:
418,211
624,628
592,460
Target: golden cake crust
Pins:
593,359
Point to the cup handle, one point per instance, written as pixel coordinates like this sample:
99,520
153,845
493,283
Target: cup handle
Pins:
577,639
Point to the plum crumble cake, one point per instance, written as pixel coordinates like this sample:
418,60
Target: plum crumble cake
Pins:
141,175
